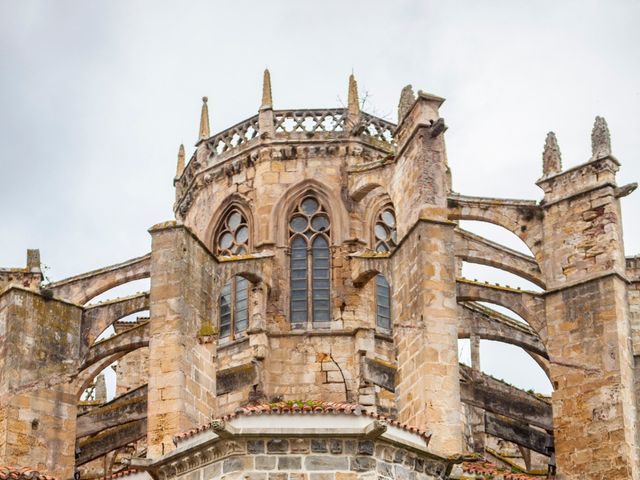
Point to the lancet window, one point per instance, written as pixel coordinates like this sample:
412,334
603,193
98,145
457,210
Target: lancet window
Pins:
384,230
383,303
234,307
232,236
310,267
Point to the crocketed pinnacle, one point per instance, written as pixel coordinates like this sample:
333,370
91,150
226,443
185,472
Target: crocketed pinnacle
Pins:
267,101
407,98
551,159
353,104
204,120
180,167
600,139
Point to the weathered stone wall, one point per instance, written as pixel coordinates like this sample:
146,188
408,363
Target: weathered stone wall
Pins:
316,459
588,324
28,277
39,340
425,330
132,371
181,371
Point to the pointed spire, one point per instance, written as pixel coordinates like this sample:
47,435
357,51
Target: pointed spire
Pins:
204,120
353,104
267,101
180,167
600,139
551,159
407,99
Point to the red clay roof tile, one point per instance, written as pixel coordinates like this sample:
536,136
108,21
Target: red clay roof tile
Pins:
304,408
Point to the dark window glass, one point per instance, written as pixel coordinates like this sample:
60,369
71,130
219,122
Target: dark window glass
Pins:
225,310
383,303
310,268
232,237
384,230
298,280
234,307
320,280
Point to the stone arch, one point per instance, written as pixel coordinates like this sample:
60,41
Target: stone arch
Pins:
330,200
127,341
85,376
523,218
365,269
491,325
82,288
363,187
234,200
473,248
527,305
97,318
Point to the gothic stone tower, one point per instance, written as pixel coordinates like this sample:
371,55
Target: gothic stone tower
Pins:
313,266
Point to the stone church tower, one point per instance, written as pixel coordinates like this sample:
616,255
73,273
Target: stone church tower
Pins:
305,307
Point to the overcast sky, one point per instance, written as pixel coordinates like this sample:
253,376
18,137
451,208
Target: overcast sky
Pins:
96,96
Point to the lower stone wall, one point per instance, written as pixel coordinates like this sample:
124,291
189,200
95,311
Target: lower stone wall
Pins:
313,459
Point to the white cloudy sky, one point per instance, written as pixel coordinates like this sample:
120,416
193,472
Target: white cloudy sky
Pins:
96,97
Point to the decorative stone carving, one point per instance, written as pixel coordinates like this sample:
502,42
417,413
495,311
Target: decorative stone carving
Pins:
204,120
407,98
600,139
551,159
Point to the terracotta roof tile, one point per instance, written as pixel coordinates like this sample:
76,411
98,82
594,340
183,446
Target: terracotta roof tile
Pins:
491,470
120,474
22,473
305,408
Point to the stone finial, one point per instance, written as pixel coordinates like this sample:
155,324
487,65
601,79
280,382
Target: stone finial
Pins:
407,99
353,104
600,139
267,101
551,159
33,259
204,120
180,167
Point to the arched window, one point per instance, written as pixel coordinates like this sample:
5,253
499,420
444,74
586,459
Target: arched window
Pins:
234,307
232,237
383,303
310,267
384,230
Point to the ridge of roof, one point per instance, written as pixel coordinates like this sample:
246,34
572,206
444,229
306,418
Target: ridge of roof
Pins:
306,407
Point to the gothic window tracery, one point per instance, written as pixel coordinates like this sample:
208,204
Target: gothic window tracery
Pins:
384,230
310,264
232,236
234,307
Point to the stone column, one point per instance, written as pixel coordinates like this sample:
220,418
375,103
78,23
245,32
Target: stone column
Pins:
474,343
181,371
587,315
425,319
40,345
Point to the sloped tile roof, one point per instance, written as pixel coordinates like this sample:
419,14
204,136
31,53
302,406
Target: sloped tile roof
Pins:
305,408
22,473
121,473
490,470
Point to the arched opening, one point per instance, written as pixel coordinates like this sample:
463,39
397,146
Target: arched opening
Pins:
508,363
497,234
122,290
493,275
